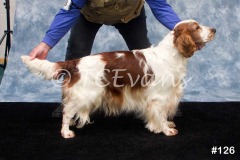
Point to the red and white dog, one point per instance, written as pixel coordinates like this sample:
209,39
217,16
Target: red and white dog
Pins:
147,82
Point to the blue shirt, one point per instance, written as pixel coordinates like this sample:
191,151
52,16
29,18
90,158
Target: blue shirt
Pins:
65,19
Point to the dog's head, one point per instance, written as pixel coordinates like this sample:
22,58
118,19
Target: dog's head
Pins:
189,37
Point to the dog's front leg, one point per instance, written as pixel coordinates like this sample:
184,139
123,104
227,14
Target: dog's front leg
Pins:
156,118
152,117
168,126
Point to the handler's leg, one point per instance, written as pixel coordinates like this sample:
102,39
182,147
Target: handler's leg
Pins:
81,38
135,32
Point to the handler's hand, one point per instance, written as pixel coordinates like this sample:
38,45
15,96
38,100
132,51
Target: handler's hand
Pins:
40,51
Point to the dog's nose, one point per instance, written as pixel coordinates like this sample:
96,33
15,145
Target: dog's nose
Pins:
213,30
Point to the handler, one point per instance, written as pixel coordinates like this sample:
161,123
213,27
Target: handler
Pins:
85,17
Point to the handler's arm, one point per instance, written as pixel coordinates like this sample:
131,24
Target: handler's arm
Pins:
164,13
61,24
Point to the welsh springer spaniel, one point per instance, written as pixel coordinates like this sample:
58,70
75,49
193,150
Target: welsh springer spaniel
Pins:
147,82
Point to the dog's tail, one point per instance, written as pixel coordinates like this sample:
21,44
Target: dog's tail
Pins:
42,68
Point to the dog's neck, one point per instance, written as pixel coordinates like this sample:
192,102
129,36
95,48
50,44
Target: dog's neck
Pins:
167,43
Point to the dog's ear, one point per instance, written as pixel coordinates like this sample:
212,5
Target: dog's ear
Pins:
184,44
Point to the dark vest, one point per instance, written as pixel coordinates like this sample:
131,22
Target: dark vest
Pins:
111,11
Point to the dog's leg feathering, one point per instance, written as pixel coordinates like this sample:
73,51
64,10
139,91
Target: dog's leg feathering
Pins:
156,118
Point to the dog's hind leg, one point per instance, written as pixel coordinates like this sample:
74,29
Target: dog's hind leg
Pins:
83,117
68,114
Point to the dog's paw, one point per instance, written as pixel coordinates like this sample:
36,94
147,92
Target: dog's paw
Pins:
171,124
170,132
153,128
67,134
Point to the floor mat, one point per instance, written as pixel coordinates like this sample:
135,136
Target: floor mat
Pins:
27,131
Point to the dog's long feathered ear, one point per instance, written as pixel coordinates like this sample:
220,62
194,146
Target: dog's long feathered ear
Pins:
184,43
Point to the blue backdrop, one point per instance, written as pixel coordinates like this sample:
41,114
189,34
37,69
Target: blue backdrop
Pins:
213,73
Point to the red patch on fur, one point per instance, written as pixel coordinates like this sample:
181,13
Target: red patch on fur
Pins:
69,68
126,70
